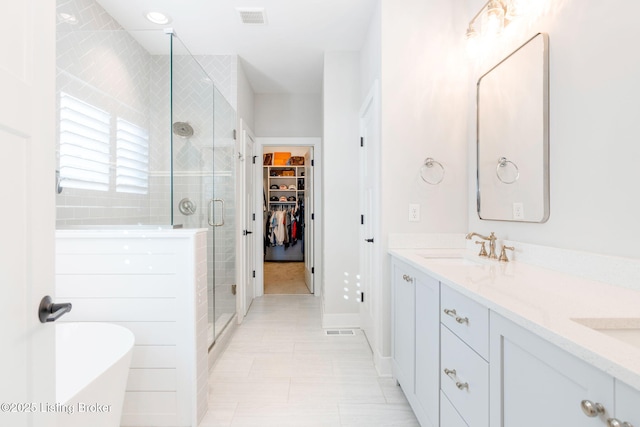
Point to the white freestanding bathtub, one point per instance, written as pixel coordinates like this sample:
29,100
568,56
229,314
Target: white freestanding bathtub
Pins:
92,366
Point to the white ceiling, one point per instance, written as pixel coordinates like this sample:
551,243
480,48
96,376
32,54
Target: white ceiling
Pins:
284,56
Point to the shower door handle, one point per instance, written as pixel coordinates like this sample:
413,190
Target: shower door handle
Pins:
211,211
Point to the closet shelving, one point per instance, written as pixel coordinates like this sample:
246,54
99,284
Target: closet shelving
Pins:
292,180
291,177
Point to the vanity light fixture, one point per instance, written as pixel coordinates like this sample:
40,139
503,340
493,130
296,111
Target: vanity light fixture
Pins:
495,14
157,17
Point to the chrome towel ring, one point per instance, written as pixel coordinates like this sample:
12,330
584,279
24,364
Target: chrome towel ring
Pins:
432,171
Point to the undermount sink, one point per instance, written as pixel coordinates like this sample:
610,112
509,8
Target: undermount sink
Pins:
626,330
453,259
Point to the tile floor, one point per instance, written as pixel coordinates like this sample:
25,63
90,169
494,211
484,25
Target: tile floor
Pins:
281,370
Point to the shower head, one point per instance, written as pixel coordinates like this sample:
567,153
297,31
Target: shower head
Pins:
183,129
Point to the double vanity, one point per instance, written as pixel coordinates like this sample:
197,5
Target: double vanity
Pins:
478,342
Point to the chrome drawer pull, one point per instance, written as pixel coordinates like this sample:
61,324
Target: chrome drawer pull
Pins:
462,320
591,409
462,386
454,314
451,373
614,422
407,278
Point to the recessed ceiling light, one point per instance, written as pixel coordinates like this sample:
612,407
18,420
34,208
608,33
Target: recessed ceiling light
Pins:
158,17
67,18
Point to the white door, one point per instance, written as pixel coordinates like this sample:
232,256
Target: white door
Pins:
308,221
369,236
27,144
250,214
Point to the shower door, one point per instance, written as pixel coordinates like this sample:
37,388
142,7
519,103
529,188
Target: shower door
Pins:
202,162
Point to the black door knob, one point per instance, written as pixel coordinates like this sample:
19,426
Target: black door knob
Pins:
50,312
368,240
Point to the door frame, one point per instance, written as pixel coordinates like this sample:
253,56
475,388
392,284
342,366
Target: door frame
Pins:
316,144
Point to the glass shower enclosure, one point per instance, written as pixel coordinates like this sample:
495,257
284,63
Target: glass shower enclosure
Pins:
163,144
203,175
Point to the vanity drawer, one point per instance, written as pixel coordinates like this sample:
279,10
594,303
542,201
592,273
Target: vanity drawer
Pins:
449,417
466,318
464,379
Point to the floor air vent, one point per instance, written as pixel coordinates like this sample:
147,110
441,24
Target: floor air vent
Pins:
339,332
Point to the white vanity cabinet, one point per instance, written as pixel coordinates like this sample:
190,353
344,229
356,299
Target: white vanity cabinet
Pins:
415,340
501,353
535,383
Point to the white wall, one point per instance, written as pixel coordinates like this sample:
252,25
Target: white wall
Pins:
246,99
341,94
371,54
594,126
424,93
288,115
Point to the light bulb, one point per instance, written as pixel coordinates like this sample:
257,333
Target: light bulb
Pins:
516,8
471,42
493,19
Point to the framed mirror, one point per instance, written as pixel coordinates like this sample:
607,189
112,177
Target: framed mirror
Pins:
513,136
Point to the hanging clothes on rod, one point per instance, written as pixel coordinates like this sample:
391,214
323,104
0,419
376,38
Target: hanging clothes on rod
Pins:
283,228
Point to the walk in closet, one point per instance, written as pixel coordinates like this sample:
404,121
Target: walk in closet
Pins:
285,214
284,191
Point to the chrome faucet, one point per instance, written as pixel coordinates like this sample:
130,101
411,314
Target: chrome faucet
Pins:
492,242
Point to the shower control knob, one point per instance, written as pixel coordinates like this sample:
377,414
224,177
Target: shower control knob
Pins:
187,206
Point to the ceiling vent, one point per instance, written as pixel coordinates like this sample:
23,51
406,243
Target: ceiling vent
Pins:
252,15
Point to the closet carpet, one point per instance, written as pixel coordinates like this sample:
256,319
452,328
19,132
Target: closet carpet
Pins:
284,278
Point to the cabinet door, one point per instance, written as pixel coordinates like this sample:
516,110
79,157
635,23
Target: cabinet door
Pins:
427,373
627,404
533,383
403,317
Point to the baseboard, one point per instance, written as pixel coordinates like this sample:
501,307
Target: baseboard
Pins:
344,320
382,364
222,341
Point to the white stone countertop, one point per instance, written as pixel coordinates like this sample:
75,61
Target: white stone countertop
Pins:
544,302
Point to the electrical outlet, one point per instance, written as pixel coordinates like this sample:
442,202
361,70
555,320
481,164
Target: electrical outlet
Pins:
414,212
518,210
